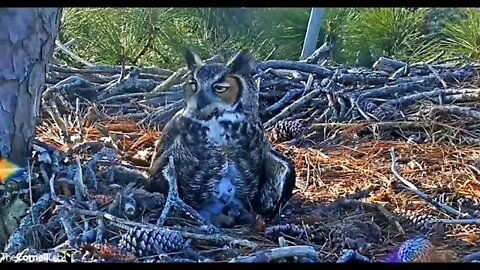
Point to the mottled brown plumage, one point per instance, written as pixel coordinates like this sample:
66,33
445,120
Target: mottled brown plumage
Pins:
218,134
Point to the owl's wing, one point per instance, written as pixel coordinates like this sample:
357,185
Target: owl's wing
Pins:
169,133
163,149
276,183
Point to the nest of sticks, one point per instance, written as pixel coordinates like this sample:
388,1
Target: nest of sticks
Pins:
381,155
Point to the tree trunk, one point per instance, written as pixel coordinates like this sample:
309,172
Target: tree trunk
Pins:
27,38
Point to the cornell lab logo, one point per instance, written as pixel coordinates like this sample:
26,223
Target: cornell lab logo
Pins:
61,257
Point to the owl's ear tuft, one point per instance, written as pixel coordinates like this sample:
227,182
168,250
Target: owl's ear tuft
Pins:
240,63
193,60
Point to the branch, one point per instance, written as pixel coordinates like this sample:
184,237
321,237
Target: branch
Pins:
213,238
292,107
277,253
322,72
411,187
456,221
72,54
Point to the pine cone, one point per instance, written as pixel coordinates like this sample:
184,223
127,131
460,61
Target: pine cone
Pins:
147,242
420,223
287,130
287,229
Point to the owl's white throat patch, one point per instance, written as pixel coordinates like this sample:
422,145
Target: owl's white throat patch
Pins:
216,133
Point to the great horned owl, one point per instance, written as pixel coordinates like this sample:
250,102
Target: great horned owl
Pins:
218,134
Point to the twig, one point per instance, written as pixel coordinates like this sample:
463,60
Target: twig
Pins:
456,221
55,115
66,221
452,109
410,99
80,188
353,78
351,255
419,193
320,71
472,257
110,69
292,107
72,54
277,253
387,64
129,83
214,238
78,119
66,44
291,94
390,90
383,125
176,77
435,73
173,198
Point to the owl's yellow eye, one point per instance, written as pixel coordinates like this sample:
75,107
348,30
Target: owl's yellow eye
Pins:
221,87
193,85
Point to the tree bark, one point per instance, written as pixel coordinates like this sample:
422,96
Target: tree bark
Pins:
27,38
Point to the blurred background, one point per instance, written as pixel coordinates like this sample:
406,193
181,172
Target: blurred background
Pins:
157,36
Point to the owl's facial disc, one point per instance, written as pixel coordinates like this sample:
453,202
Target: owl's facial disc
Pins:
209,96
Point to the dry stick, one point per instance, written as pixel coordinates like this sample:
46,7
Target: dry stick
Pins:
351,255
176,77
277,253
66,44
309,84
388,90
475,221
78,119
387,64
80,188
291,94
292,107
435,72
55,114
435,58
215,238
109,69
472,257
435,93
366,115
130,82
352,78
144,95
411,187
452,109
467,97
72,54
322,72
383,125
173,198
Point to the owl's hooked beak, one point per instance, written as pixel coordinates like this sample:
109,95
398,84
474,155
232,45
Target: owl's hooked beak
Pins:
225,198
202,101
